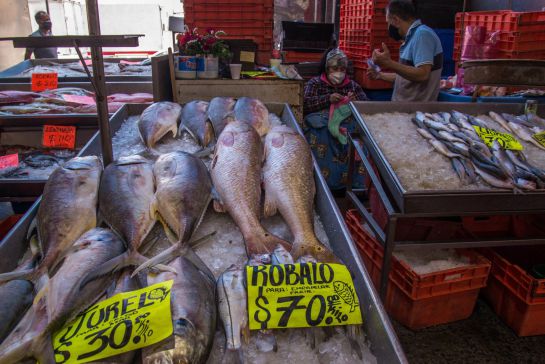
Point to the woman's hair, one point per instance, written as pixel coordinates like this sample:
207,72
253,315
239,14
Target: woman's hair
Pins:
323,61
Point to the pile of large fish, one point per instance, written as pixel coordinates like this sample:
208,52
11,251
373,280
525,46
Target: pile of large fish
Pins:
52,102
453,135
77,262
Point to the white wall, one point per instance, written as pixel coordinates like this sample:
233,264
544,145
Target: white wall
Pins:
14,22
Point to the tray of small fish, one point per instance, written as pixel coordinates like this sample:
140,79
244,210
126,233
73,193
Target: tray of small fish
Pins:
156,198
71,70
23,135
432,161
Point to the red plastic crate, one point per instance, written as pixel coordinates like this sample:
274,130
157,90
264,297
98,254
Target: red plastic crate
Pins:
419,301
360,76
7,224
501,226
516,296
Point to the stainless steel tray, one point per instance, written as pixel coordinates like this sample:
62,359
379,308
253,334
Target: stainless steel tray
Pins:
445,202
384,342
7,76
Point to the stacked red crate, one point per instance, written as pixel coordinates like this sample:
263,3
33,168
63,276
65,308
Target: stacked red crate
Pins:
242,19
521,35
363,28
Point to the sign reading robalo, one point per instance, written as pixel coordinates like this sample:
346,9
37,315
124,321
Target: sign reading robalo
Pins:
123,323
301,295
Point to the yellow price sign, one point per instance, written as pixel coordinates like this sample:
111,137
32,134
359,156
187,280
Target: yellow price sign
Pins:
246,56
122,323
540,138
301,295
505,140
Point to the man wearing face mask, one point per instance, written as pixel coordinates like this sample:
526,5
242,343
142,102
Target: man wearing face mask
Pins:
328,119
44,30
417,75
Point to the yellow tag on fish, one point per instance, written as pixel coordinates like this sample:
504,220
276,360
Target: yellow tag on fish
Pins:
540,138
505,140
301,295
122,323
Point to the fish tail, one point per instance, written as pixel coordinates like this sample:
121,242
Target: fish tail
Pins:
113,265
44,349
165,256
315,249
233,356
264,243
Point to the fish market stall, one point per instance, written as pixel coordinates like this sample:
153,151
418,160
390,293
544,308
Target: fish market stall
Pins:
23,135
226,247
414,174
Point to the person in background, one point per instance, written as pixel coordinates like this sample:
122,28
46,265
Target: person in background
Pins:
417,75
44,30
328,119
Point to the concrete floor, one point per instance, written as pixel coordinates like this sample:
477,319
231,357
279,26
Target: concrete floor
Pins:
483,338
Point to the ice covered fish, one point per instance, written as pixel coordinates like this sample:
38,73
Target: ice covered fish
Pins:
195,122
193,307
158,120
62,297
232,302
220,112
183,193
67,210
254,113
236,174
288,177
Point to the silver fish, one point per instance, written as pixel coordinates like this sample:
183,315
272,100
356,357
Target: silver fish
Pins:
195,122
254,113
158,120
281,256
442,148
220,112
494,181
435,125
448,136
523,133
232,302
500,120
426,134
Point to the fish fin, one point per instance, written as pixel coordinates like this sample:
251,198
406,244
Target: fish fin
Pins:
43,349
34,244
264,243
59,260
174,130
218,206
41,293
33,226
195,243
233,356
28,274
208,136
113,265
204,152
165,256
171,235
245,331
269,207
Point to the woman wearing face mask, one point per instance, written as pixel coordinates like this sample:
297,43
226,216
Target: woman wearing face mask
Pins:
44,30
328,119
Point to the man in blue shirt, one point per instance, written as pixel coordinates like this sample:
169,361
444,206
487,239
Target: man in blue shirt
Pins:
417,75
44,30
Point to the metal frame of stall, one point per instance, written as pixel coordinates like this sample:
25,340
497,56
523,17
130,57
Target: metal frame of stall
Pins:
386,237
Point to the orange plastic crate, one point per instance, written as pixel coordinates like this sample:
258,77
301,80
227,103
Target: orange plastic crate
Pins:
295,56
516,296
419,301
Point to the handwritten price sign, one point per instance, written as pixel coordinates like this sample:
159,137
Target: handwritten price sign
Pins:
301,295
9,160
44,81
125,322
57,136
506,141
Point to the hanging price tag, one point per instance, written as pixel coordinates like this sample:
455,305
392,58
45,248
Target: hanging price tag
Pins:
540,138
301,295
9,160
246,56
58,136
44,81
125,322
506,141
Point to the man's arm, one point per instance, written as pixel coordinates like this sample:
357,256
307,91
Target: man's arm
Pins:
28,53
416,74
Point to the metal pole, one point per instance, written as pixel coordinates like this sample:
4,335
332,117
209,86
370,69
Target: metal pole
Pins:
47,6
100,82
